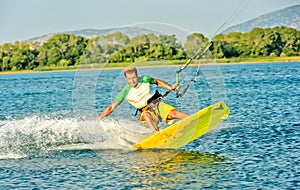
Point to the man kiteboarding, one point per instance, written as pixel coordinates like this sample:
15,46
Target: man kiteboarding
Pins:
138,93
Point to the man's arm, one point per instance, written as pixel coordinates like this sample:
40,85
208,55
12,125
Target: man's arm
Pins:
165,85
108,110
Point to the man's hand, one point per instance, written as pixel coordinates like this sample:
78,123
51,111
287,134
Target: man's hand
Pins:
99,118
175,87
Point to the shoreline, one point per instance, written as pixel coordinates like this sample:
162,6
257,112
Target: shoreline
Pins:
149,66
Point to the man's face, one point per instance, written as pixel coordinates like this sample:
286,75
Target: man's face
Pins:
132,79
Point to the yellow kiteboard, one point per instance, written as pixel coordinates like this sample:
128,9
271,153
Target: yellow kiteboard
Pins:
188,129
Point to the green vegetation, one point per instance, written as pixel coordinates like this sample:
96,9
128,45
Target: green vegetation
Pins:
275,42
67,51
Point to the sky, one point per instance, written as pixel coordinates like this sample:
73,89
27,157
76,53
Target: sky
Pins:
25,19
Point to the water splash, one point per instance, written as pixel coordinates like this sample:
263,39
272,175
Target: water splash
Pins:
112,133
36,136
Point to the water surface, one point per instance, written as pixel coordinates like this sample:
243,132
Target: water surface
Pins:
49,137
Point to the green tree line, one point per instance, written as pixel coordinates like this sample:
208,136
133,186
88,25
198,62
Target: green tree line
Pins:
64,50
278,41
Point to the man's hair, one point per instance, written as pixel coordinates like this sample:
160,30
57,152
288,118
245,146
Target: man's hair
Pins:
130,70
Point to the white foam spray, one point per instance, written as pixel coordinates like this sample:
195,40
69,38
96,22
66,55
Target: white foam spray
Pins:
35,135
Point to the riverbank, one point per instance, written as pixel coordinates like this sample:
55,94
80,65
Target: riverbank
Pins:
149,64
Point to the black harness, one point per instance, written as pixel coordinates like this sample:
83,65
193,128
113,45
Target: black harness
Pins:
155,99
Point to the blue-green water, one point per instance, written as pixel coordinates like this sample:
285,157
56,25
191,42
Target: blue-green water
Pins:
49,137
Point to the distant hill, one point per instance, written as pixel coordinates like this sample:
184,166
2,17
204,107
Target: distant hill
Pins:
289,17
92,33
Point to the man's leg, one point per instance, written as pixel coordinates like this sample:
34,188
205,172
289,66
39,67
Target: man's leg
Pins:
176,114
146,116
